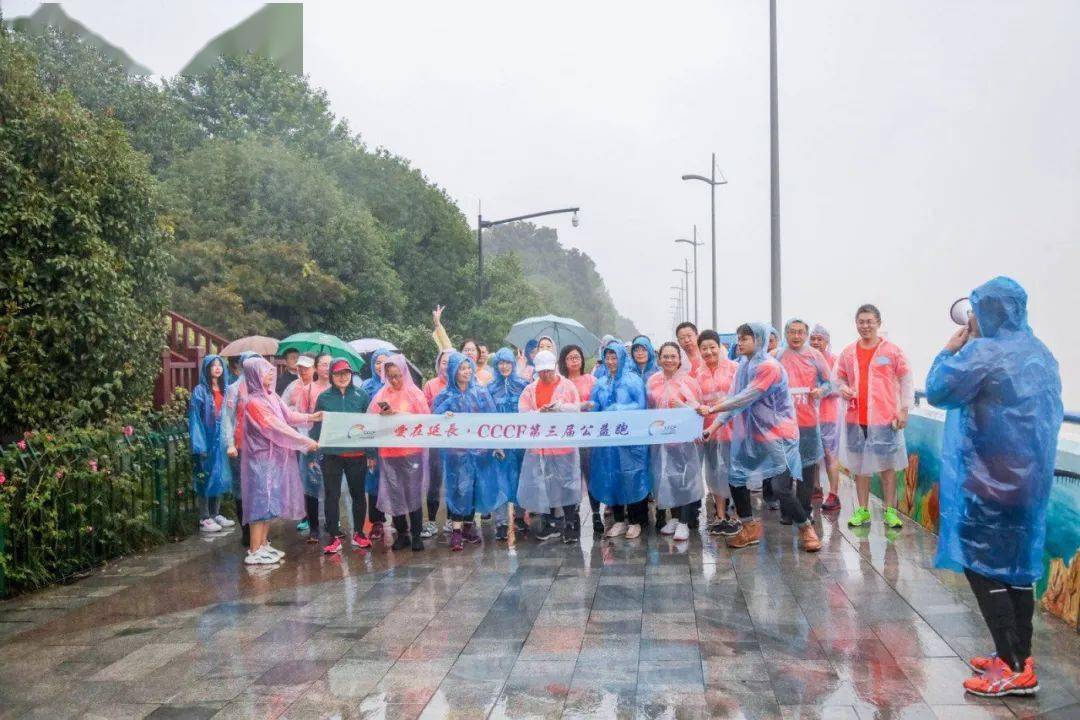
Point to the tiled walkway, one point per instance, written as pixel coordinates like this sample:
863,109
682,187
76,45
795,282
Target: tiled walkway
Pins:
621,629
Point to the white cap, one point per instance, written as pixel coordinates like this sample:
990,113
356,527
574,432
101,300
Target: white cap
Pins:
305,361
545,360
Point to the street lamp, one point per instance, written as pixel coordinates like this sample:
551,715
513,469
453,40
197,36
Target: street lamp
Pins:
481,223
686,280
695,244
712,182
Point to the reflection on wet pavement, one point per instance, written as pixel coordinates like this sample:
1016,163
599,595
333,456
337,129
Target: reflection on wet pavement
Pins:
615,629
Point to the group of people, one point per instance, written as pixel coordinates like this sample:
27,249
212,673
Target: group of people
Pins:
775,408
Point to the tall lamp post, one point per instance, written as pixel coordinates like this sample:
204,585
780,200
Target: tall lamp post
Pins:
712,182
685,270
481,223
695,244
774,170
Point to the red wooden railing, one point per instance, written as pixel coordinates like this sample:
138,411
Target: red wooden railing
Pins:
188,343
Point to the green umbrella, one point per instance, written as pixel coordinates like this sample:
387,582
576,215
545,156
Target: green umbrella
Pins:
317,342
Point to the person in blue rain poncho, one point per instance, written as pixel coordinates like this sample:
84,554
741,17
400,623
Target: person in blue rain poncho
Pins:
1002,389
469,479
765,437
643,358
619,476
598,367
210,466
505,389
371,484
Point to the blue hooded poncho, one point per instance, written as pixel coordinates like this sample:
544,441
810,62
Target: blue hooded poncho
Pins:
619,475
469,479
1003,394
505,392
651,368
210,470
371,386
764,432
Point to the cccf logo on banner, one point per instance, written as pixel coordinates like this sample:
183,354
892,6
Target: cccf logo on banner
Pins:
659,427
359,432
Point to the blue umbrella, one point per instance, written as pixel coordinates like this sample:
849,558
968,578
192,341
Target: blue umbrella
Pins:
564,331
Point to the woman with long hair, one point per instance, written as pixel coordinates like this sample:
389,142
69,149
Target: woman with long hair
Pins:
506,389
572,367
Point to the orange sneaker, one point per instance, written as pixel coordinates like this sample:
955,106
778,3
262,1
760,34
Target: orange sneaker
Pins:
1000,680
982,663
749,534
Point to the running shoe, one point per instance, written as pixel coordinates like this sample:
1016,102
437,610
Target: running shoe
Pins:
682,532
456,542
670,527
571,532
892,518
831,504
860,517
448,527
502,532
224,521
429,530
261,558
1000,680
725,527
633,531
376,532
208,526
303,526
470,534
334,547
359,541
547,530
981,664
271,549
617,530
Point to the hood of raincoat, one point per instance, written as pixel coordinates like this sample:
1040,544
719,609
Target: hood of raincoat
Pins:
624,360
253,372
747,365
374,383
1000,306
650,366
819,329
398,361
452,367
512,382
204,372
529,348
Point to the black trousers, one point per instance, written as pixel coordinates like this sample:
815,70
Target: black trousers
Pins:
740,496
809,479
634,513
311,508
793,501
374,514
1007,611
355,470
414,525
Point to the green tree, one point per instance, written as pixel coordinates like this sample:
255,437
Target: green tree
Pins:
81,293
266,242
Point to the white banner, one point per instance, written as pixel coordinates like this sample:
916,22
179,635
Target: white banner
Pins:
511,430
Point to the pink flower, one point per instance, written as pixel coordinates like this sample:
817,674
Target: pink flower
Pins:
3,478
128,430
21,444
93,466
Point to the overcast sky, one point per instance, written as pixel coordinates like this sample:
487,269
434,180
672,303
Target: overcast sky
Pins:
925,146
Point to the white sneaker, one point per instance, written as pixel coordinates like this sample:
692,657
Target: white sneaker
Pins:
261,557
448,527
670,527
633,531
429,530
271,550
616,530
208,526
682,532
224,521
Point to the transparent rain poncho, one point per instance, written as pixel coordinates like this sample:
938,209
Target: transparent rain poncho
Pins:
807,370
469,478
716,384
506,392
210,469
619,475
235,395
550,477
403,472
1003,394
675,467
764,433
880,446
372,386
269,470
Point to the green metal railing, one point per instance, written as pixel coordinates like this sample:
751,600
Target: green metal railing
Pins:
83,498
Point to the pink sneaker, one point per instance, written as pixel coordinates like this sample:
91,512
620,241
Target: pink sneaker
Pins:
334,547
456,543
359,541
831,503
